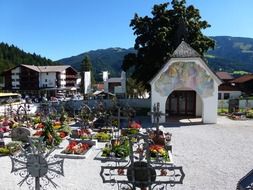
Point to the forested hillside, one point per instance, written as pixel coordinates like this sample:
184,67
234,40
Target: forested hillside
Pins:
11,56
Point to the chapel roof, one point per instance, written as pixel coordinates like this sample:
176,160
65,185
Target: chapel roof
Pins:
184,50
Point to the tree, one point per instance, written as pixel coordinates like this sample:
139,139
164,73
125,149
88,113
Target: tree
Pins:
135,89
86,66
158,36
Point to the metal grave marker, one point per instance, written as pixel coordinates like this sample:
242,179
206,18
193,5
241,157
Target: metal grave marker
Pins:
34,164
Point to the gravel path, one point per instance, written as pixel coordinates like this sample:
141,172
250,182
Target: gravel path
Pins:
214,157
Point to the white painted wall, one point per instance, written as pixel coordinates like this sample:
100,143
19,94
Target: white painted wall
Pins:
199,105
232,94
87,82
63,79
15,77
209,112
208,106
121,80
47,80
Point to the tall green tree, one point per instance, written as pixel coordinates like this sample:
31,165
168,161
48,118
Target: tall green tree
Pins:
158,36
135,89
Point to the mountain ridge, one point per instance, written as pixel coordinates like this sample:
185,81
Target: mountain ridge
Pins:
230,54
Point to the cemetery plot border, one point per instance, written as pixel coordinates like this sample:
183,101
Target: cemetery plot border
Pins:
76,149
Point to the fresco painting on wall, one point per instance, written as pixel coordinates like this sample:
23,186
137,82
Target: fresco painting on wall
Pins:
185,74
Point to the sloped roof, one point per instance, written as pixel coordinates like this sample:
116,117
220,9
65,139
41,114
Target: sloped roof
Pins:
184,50
49,68
32,67
53,68
99,92
243,78
224,75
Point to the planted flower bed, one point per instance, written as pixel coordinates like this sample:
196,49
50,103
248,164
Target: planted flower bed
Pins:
76,149
116,150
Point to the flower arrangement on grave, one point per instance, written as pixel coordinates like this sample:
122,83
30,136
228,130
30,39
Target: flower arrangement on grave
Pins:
133,128
118,148
50,135
36,119
11,148
158,151
102,136
39,126
159,137
85,134
75,147
121,149
135,125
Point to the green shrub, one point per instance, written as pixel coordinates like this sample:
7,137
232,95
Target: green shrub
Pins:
249,114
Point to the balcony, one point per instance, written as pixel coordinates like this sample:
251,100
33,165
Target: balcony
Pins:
71,77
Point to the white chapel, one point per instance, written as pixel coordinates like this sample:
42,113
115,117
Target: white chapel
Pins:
186,86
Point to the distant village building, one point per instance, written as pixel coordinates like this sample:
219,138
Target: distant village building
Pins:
40,79
115,85
227,90
244,83
185,86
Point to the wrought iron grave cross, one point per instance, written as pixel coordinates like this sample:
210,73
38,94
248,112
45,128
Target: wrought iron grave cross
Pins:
34,163
156,114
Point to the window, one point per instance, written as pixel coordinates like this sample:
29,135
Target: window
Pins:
226,96
219,96
45,80
47,73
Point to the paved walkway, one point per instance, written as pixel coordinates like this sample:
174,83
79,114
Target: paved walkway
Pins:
214,157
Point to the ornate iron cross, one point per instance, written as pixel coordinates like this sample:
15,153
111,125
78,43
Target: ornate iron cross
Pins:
141,171
156,114
34,163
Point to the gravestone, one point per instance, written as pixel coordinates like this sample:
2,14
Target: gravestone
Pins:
20,134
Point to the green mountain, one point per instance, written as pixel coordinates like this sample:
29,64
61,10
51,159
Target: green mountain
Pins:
231,54
102,60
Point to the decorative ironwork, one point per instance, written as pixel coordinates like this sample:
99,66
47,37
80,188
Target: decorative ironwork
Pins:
156,115
142,171
34,164
46,109
22,112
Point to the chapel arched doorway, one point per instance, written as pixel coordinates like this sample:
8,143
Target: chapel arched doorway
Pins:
181,103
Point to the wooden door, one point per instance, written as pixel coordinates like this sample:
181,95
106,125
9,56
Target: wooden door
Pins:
182,103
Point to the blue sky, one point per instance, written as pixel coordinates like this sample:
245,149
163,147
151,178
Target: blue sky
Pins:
62,28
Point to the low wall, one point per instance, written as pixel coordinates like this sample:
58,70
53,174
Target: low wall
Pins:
242,104
78,104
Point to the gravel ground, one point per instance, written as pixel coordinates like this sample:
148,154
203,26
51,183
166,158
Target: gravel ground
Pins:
214,157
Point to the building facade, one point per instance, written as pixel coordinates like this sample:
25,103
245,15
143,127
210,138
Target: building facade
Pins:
116,85
35,78
185,86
